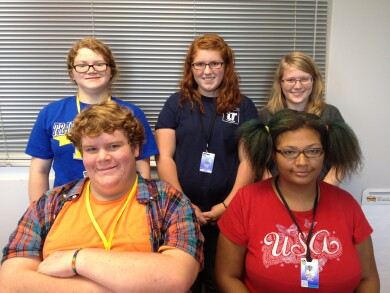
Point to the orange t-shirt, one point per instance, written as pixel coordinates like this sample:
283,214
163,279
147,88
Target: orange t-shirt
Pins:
73,227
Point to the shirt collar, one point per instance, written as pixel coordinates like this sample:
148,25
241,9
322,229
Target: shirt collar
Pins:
143,195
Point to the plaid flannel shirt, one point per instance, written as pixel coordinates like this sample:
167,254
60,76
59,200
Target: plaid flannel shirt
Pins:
171,219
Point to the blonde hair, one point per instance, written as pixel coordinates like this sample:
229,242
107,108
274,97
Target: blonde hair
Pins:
303,62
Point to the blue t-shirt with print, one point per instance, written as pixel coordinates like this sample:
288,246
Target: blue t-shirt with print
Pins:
48,138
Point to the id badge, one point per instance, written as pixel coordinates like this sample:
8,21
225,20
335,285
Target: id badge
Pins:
310,273
207,162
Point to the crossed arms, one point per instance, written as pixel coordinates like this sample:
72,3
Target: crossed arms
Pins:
101,271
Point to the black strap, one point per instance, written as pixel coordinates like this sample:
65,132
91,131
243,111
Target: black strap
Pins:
208,135
310,234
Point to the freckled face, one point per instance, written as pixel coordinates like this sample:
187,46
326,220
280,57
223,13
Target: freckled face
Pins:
208,79
110,164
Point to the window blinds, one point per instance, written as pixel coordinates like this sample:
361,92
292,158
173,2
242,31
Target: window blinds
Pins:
149,40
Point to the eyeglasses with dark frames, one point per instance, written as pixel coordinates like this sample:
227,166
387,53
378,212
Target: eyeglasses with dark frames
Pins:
308,153
202,65
83,68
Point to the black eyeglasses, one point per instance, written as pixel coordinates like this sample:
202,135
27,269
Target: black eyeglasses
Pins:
308,153
83,68
202,65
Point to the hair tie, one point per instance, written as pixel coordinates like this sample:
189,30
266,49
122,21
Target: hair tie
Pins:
266,128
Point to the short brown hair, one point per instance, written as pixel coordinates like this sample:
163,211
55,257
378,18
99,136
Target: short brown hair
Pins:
107,117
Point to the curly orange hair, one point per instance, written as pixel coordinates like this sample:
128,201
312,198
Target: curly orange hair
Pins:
107,117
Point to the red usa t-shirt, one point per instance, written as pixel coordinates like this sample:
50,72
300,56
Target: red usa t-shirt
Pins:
257,219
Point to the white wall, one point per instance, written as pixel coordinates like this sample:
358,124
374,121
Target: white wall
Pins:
358,80
358,83
14,199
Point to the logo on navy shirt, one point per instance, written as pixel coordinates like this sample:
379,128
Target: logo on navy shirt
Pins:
232,117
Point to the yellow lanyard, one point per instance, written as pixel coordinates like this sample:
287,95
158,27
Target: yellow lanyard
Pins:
78,102
107,244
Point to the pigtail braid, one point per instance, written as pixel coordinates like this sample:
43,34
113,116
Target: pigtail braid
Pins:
344,153
256,143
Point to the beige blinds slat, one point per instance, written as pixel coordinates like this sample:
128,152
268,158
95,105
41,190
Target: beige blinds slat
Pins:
149,39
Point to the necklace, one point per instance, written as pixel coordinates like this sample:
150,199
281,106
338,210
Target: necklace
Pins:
310,233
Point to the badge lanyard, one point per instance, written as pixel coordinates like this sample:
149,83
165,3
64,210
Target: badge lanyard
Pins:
107,244
78,102
207,159
208,135
309,235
